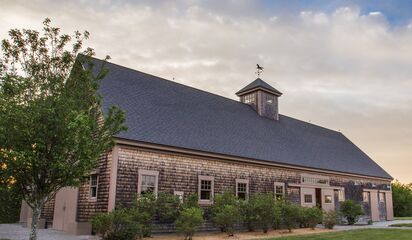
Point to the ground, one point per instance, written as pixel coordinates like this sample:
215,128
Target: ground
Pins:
361,234
377,231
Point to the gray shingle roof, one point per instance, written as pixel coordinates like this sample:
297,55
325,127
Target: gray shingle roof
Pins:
167,113
259,83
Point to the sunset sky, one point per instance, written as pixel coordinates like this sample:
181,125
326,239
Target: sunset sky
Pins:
344,65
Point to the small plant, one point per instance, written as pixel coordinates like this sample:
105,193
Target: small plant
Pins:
312,216
117,225
370,222
290,215
225,212
188,221
330,219
167,207
351,211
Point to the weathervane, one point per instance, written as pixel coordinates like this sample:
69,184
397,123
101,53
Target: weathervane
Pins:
259,70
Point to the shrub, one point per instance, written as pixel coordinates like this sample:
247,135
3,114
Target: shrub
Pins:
402,199
188,221
277,221
290,215
191,201
248,213
312,216
167,207
264,210
330,219
117,225
225,212
143,212
351,211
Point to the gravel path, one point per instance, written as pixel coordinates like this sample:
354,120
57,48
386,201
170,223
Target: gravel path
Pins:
17,232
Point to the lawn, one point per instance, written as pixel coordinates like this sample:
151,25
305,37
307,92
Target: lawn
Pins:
363,234
401,225
403,218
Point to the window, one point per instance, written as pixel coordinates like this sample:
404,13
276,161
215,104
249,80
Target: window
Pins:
308,198
341,195
328,199
314,180
250,98
148,181
206,188
94,181
242,188
366,197
381,197
279,190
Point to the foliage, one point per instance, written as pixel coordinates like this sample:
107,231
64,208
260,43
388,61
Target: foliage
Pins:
264,210
401,225
277,221
191,201
330,219
290,215
167,207
402,199
117,225
248,213
225,212
351,211
49,106
312,216
143,212
361,234
10,202
188,221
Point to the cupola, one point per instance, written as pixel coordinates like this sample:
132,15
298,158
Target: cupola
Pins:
262,97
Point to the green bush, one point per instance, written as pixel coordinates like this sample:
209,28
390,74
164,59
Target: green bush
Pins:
351,211
225,212
264,205
143,212
10,203
290,215
117,225
167,207
188,221
277,221
312,216
402,199
330,219
191,201
248,213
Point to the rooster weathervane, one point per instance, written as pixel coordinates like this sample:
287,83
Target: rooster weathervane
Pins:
259,70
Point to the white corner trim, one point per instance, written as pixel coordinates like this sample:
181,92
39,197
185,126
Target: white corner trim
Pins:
113,179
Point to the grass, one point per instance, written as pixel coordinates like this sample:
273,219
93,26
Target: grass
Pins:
401,225
403,218
362,234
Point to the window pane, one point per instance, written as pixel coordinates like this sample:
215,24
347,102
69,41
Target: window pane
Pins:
366,197
241,195
241,187
93,191
328,199
279,189
205,195
279,197
93,180
206,185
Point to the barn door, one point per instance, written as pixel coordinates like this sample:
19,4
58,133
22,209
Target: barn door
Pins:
65,208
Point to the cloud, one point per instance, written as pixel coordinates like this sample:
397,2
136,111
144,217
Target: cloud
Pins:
342,69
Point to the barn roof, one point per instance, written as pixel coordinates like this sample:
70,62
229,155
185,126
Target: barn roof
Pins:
164,112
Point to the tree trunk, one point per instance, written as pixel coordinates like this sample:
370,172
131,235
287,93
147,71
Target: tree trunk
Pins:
36,210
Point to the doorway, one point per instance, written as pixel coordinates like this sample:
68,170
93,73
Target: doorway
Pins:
319,198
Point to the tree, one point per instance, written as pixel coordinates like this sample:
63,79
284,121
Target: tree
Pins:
225,212
351,211
51,133
264,205
290,215
402,199
189,219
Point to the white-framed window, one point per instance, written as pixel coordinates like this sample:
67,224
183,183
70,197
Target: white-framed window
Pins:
147,182
341,195
308,198
179,194
279,190
328,198
314,180
250,98
94,182
242,189
206,189
366,197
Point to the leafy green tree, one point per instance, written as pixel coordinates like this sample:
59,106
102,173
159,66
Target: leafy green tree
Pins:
188,221
143,211
351,211
312,216
225,212
402,199
264,205
50,136
248,213
167,207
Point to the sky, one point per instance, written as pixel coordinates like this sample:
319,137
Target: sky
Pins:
344,65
